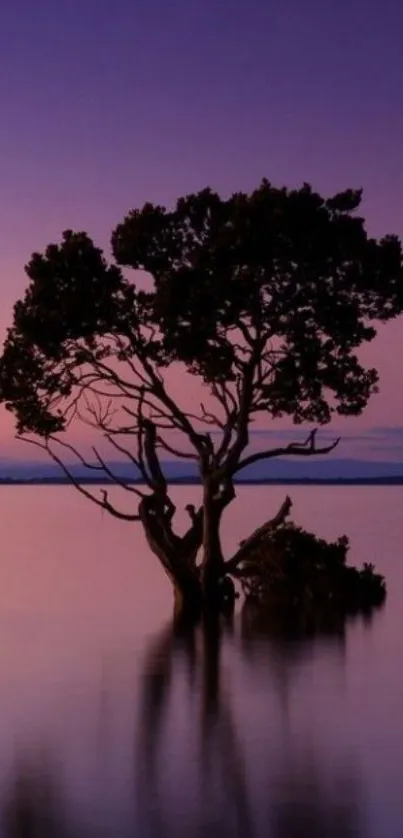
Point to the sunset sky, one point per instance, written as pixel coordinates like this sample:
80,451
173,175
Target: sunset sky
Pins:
105,104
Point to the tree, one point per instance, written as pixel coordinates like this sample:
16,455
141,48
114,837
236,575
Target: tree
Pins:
266,297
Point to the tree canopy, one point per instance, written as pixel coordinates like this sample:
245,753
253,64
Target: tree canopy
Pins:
266,296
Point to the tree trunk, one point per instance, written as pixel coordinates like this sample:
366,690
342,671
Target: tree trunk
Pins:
196,589
213,560
178,563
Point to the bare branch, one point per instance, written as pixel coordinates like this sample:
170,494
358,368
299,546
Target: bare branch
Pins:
210,418
185,455
222,392
226,440
163,426
136,462
68,447
103,504
116,479
245,391
155,411
183,420
250,340
300,449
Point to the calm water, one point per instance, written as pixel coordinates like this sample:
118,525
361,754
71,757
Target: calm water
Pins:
111,726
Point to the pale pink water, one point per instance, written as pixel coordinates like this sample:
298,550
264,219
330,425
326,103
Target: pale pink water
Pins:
306,733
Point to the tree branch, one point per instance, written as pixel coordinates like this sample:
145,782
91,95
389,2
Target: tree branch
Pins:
115,477
186,455
159,483
103,504
254,540
245,394
183,420
299,449
226,439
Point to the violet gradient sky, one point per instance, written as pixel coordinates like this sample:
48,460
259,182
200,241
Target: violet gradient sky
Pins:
107,103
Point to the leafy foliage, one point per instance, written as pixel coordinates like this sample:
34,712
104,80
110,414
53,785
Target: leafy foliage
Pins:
266,295
295,567
278,265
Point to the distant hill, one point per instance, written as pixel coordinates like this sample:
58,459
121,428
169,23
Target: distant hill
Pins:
288,470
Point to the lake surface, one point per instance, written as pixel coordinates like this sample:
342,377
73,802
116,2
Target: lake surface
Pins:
113,726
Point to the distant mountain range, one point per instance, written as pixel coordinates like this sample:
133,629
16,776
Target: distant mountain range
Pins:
178,471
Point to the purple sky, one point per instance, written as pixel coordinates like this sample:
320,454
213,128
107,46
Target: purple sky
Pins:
108,103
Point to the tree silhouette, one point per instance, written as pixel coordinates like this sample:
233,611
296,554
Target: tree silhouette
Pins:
266,297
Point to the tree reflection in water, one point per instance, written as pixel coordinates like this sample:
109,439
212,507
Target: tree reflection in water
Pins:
310,805
34,807
303,802
219,798
197,767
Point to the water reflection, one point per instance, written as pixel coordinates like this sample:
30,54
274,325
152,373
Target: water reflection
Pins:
33,805
222,784
302,626
223,743
309,805
216,796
